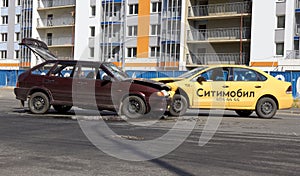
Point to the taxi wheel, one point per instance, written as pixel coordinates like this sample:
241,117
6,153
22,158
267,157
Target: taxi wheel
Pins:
133,107
38,103
178,105
62,108
266,108
244,113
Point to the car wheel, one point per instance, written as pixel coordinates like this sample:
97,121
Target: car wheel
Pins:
133,107
266,108
244,113
178,105
38,103
62,108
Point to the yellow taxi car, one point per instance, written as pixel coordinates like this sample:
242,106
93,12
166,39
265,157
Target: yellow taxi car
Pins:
232,87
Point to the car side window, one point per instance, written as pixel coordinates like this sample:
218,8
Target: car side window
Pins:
244,74
43,69
62,70
216,74
86,72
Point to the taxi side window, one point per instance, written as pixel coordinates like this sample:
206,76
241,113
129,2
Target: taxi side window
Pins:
216,74
243,74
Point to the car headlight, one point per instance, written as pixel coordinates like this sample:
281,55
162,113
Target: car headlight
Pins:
163,93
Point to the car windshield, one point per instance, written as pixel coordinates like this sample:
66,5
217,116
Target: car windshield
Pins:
118,74
192,72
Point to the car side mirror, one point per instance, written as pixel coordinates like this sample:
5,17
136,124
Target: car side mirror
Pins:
200,79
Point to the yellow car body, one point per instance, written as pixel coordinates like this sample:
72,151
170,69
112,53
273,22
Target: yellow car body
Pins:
233,87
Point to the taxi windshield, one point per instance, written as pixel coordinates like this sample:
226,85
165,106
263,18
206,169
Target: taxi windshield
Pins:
118,74
192,72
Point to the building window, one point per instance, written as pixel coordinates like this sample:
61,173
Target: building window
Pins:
155,51
155,29
5,3
92,29
18,19
132,31
133,9
279,49
131,52
280,21
4,19
93,11
92,52
17,35
3,54
17,53
156,7
4,37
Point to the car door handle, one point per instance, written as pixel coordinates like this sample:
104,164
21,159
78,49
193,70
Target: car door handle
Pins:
257,87
49,81
225,86
82,83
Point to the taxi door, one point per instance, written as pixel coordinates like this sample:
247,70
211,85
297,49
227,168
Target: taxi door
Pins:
246,87
209,93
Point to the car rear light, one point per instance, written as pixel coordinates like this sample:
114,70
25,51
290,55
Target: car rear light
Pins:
18,84
289,90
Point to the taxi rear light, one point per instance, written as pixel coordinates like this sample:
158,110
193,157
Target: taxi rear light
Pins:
289,90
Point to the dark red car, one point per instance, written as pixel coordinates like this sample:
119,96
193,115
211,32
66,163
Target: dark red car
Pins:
85,84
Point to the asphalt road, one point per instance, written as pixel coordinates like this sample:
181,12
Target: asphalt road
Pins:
55,144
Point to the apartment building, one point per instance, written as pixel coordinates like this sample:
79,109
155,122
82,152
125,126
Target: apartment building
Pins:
275,35
156,34
10,22
53,21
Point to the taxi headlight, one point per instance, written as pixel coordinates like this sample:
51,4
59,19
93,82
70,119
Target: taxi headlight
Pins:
163,93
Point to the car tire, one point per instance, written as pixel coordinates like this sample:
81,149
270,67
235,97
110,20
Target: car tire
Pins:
178,105
38,103
133,107
62,108
266,108
244,113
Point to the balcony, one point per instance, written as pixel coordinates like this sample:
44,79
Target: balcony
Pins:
112,17
172,13
292,54
214,58
64,41
173,35
219,34
220,9
56,22
112,38
55,3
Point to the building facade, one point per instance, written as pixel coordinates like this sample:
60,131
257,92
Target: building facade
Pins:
155,34
10,29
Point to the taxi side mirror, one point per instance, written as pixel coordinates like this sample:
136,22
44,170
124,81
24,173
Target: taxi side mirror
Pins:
200,79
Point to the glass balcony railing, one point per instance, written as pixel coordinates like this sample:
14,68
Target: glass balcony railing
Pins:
219,34
213,58
215,9
59,41
54,22
55,3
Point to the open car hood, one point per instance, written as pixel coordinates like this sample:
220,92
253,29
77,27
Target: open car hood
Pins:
39,48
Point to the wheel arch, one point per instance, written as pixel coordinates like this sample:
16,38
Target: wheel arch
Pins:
269,96
47,93
183,93
140,95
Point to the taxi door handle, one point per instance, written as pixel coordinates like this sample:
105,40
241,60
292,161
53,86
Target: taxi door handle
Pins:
225,86
257,86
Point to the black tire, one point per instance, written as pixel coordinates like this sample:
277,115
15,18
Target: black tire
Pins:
62,108
38,103
178,105
133,107
266,108
244,113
